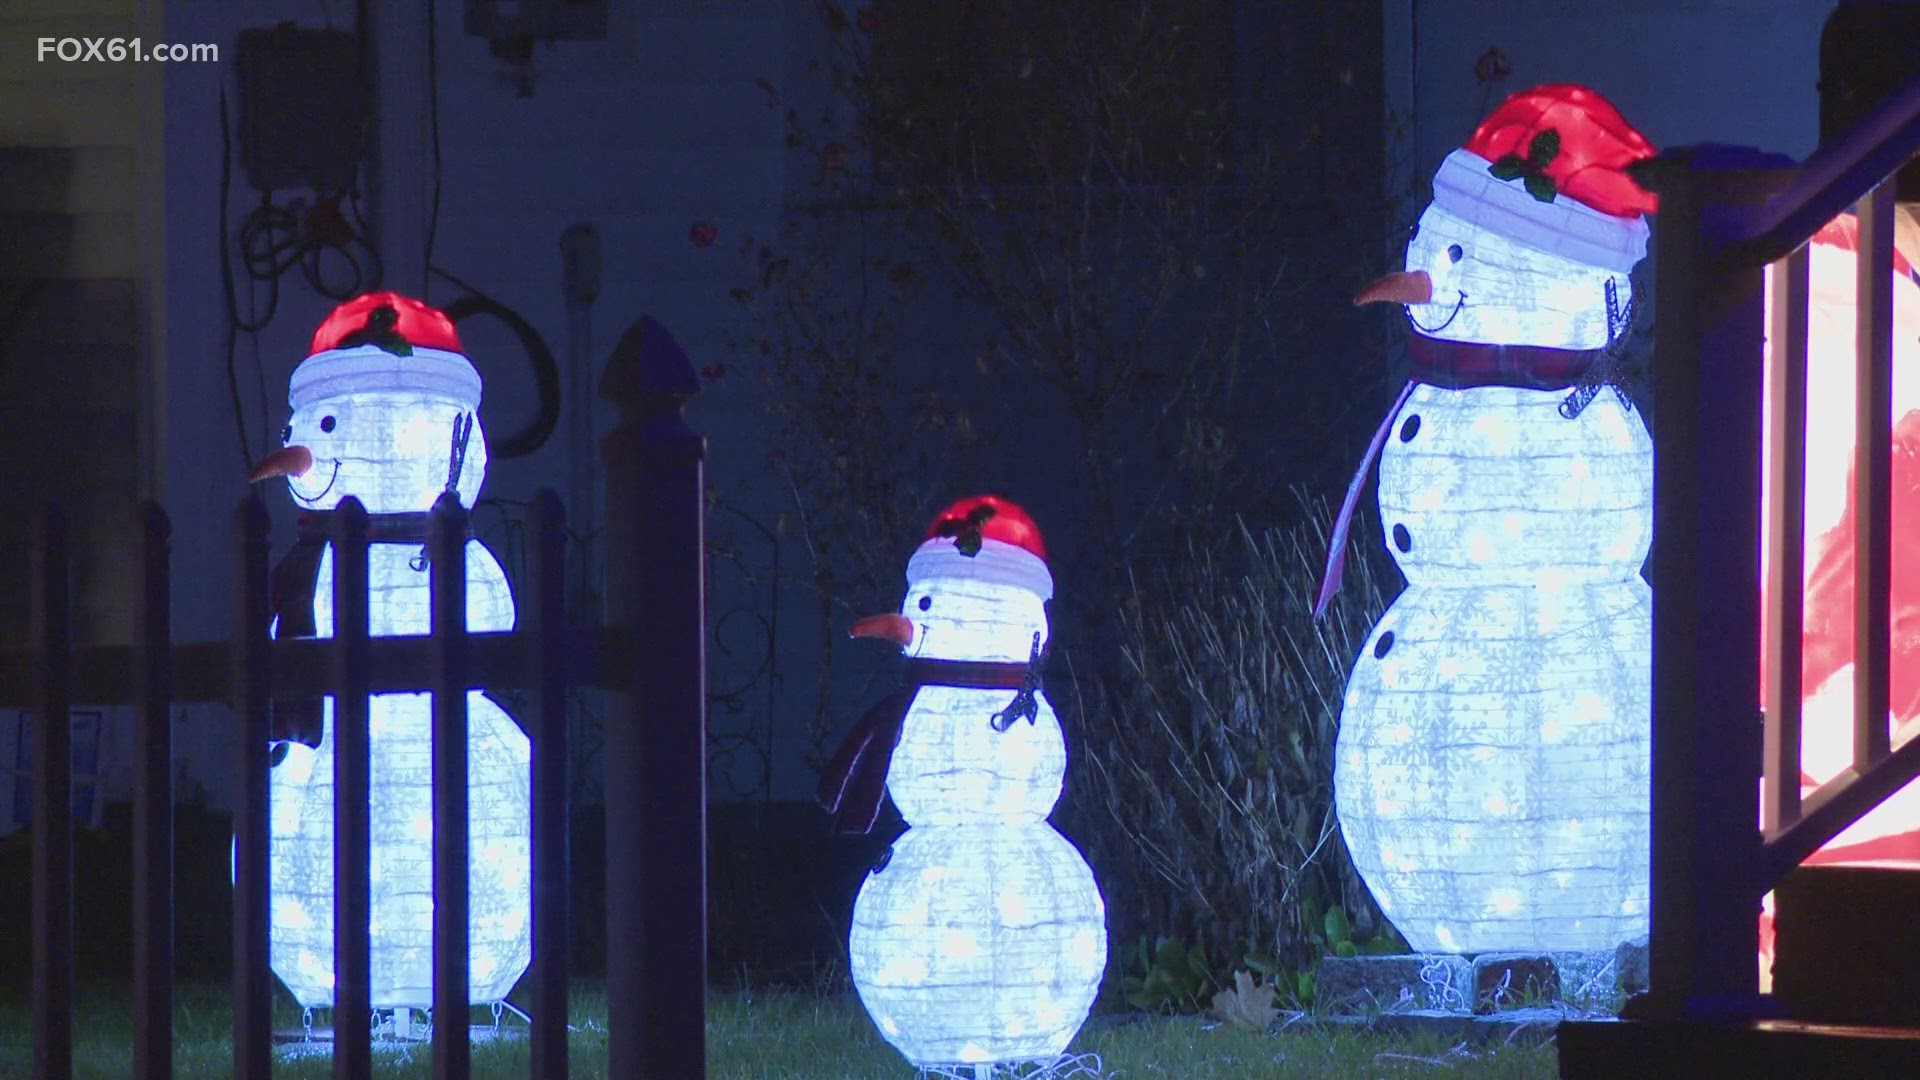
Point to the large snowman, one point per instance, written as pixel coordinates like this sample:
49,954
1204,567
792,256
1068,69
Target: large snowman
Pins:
1492,766
981,941
386,410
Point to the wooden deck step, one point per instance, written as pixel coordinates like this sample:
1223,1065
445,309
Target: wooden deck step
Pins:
1756,1050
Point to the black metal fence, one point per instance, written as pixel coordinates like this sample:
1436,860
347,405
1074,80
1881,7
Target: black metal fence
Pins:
651,655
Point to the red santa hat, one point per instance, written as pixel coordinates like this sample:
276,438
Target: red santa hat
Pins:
987,538
1549,169
383,341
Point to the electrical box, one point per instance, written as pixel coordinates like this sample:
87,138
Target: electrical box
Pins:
303,107
538,20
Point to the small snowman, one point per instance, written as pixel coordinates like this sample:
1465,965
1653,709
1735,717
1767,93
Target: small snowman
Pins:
980,941
386,409
1493,762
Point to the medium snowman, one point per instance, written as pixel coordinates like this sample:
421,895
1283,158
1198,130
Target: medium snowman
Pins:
385,409
1493,762
981,941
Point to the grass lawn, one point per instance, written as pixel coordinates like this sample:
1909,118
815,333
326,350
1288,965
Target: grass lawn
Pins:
781,1035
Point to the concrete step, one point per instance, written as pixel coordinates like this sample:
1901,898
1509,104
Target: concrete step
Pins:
1847,945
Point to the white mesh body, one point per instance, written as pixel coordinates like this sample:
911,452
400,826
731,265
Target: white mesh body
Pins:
1496,487
950,766
1501,290
401,814
400,732
983,939
979,943
390,450
1491,771
968,618
1492,767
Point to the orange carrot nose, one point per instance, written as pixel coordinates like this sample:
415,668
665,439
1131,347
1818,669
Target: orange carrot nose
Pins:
895,628
293,460
1399,287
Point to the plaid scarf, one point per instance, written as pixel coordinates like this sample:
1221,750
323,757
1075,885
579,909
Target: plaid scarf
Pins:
855,780
1458,365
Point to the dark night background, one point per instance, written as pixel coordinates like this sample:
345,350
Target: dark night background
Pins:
878,321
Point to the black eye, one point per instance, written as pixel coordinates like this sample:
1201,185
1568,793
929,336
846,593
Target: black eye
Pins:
286,433
1413,231
926,602
1454,253
326,423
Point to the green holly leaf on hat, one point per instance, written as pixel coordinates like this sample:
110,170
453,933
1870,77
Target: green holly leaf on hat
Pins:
380,332
1532,169
1510,167
967,536
1544,148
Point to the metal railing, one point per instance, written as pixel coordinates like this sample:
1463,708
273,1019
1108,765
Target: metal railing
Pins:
1727,213
651,655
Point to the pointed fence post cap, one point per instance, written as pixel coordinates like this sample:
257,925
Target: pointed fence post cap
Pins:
648,365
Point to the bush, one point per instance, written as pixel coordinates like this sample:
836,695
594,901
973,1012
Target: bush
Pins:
1214,771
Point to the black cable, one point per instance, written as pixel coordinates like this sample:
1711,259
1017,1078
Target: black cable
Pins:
310,267
260,382
546,371
433,123
377,267
226,279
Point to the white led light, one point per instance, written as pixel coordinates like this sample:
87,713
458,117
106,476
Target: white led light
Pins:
1508,688
961,981
391,443
983,938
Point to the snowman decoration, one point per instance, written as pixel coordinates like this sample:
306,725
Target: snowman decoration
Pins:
980,941
1493,762
386,410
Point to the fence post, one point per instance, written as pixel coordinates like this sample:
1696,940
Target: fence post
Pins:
352,796
153,803
550,791
253,675
52,802
1872,475
1704,569
452,1045
655,753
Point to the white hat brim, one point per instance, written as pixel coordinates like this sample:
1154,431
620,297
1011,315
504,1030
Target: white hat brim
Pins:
997,561
1566,226
365,368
